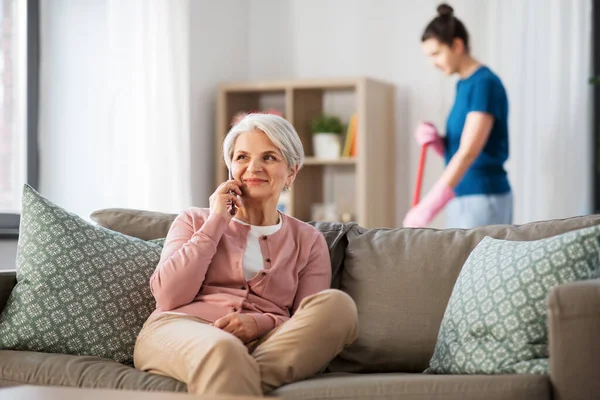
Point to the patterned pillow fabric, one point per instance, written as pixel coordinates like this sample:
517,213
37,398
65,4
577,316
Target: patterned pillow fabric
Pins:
496,319
81,289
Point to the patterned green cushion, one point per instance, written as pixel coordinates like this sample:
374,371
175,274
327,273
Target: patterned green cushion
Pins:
81,289
496,319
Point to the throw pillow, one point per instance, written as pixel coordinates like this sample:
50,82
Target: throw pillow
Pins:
496,319
81,289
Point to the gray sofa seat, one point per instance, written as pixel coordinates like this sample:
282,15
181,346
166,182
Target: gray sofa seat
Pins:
392,386
24,367
33,368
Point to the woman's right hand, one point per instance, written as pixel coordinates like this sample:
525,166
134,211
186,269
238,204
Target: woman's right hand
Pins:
220,200
427,134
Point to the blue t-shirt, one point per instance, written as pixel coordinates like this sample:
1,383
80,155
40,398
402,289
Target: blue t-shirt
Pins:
482,91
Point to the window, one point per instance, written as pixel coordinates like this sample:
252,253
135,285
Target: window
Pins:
19,78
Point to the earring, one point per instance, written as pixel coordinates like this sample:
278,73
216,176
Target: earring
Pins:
286,187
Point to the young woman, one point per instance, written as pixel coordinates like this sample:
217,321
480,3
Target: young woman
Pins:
474,183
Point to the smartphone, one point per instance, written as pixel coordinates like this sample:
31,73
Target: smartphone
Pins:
232,208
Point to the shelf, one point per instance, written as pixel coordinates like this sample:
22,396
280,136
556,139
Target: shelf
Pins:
347,83
351,184
338,161
278,85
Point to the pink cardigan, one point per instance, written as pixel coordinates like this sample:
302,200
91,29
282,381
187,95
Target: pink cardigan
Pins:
200,270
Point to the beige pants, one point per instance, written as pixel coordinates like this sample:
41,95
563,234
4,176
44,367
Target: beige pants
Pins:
212,361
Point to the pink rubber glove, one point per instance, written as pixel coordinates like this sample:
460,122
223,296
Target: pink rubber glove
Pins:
421,215
426,133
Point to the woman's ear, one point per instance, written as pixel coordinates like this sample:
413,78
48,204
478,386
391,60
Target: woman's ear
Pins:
292,176
458,46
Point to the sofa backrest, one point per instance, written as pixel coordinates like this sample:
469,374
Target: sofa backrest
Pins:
142,224
401,281
149,225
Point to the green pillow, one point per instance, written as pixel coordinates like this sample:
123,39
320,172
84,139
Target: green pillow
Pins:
81,289
496,319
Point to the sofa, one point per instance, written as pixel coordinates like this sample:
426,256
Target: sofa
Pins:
401,281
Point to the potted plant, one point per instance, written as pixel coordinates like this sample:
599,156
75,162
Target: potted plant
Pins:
326,130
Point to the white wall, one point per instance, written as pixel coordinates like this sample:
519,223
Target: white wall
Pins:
353,37
218,53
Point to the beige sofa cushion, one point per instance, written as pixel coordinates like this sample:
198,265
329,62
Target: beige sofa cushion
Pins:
142,224
25,367
401,281
21,367
418,387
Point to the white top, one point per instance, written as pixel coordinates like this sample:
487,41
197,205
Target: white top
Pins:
253,259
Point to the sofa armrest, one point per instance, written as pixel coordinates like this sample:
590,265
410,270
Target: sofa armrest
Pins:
574,337
8,280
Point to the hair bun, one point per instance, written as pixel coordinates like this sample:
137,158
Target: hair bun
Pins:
445,10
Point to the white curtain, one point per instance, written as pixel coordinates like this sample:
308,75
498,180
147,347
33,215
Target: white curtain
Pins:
149,104
541,49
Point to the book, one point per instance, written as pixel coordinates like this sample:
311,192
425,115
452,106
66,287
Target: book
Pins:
350,142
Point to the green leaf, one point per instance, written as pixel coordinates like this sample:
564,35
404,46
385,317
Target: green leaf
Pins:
327,123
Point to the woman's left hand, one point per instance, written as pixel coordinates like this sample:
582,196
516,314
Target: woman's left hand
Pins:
243,326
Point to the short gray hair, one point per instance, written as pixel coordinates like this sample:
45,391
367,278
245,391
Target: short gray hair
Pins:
278,129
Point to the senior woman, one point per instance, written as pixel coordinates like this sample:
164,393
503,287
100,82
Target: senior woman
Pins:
243,301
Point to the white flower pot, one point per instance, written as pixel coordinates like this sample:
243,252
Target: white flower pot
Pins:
326,145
